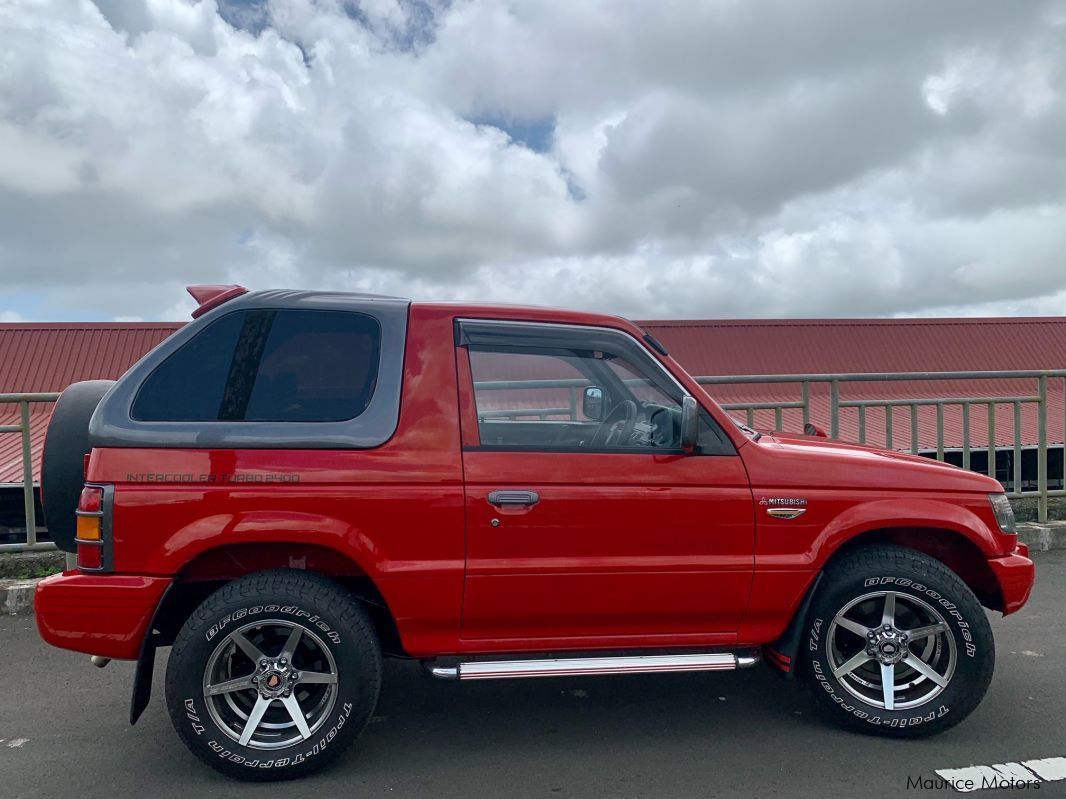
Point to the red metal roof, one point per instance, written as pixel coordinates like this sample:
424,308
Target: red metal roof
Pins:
44,357
788,346
827,346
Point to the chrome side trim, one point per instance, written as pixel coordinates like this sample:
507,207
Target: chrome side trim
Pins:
749,659
786,513
563,667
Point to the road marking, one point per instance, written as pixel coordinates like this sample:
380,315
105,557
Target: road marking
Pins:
17,743
1005,775
1049,769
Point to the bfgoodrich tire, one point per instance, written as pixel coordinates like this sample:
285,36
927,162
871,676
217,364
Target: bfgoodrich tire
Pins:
274,675
896,644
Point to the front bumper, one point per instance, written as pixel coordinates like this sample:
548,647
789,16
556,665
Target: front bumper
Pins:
1015,574
106,615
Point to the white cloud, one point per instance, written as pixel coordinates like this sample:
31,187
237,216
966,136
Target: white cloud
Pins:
715,159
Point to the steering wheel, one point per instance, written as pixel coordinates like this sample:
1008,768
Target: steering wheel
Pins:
616,429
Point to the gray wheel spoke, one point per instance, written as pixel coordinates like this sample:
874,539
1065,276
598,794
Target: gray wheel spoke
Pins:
291,643
925,632
888,685
254,718
926,670
889,615
317,677
241,705
852,626
248,648
928,648
239,684
293,706
851,664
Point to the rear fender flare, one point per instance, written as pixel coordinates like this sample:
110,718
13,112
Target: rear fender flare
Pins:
219,532
272,527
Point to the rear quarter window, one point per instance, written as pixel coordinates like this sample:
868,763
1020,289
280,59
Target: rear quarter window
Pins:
266,365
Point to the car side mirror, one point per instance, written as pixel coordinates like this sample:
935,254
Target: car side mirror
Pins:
814,430
592,403
690,425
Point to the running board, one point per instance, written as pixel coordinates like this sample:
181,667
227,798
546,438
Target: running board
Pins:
569,667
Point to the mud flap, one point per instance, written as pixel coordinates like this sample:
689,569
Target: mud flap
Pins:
782,652
142,678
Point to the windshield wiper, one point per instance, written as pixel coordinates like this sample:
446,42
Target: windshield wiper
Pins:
751,431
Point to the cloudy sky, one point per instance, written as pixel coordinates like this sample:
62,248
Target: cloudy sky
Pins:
663,158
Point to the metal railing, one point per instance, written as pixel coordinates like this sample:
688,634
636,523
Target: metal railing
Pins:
23,428
837,404
808,385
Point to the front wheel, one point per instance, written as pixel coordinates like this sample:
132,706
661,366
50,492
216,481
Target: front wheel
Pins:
897,644
274,675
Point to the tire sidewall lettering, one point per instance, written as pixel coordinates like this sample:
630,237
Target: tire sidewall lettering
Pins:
859,713
911,717
322,741
309,619
946,604
285,597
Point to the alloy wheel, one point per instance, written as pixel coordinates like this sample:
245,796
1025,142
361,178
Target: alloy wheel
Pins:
891,650
270,684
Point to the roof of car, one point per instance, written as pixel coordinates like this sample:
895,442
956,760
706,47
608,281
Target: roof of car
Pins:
534,313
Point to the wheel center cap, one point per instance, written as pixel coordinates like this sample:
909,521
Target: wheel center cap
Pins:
890,646
273,683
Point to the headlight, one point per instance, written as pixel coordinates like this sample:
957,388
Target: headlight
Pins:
1004,513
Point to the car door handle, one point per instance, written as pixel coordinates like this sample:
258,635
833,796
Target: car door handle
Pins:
503,499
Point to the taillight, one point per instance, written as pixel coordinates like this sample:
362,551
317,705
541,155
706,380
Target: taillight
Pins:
90,558
91,500
90,530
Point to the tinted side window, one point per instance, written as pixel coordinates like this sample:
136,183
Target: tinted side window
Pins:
188,386
529,397
268,366
525,386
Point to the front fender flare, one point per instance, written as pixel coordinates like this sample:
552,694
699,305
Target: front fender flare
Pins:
888,513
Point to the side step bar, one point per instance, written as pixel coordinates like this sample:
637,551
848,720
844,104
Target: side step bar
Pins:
568,667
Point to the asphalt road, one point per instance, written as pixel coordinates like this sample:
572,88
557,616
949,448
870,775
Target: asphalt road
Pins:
64,731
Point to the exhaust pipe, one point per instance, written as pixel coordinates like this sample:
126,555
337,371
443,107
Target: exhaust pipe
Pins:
98,661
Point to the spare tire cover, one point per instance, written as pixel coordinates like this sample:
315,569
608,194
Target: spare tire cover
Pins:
63,460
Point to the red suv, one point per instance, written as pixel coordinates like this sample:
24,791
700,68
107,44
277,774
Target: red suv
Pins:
299,483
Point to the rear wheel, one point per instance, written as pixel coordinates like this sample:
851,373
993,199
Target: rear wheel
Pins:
897,644
274,675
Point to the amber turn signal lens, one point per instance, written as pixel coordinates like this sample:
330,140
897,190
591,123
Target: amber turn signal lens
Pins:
89,528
